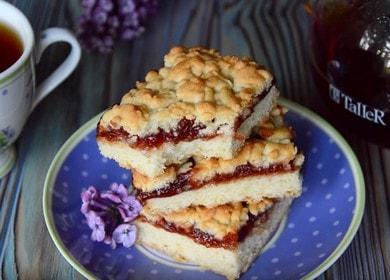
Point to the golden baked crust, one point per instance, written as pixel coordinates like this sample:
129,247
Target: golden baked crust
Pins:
271,144
217,221
196,84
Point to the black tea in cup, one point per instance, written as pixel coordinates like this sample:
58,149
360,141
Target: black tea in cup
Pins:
11,47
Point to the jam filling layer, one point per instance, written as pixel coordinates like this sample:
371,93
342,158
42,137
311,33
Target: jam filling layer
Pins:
229,241
184,182
186,131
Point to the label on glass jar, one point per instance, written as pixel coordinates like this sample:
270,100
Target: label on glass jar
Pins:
355,107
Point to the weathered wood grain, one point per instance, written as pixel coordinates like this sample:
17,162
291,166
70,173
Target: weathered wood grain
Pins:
275,33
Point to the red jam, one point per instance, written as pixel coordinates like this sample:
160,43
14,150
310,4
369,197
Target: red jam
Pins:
113,135
179,185
186,131
229,241
247,170
259,219
184,183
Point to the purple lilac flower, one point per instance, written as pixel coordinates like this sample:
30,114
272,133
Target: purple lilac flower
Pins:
117,193
87,197
106,5
97,225
125,234
129,209
105,21
109,214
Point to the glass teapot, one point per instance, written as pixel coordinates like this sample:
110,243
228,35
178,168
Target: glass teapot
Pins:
351,59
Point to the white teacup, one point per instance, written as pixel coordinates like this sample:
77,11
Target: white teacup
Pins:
18,94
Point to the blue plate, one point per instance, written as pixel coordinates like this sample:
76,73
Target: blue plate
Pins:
319,227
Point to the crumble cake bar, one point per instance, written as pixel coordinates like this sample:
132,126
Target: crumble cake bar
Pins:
199,104
225,239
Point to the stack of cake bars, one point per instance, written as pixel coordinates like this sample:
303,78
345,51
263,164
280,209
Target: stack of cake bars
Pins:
213,162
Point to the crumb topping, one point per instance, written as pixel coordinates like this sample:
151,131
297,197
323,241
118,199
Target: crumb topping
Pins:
217,221
195,84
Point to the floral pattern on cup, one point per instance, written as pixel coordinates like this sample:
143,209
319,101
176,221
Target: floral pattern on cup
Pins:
6,134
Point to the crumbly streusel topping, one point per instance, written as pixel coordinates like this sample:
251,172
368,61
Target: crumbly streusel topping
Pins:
217,221
195,83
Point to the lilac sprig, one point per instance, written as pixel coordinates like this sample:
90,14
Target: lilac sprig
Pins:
103,22
109,214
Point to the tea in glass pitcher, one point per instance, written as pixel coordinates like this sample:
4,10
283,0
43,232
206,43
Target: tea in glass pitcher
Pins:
351,59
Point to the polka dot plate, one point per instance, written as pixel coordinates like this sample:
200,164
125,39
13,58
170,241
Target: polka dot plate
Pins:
320,225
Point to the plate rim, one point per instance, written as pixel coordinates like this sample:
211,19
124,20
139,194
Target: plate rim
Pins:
357,173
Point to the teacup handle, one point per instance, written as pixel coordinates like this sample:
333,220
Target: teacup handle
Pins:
48,37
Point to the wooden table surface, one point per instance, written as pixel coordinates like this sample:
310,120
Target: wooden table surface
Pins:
274,33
